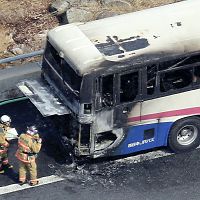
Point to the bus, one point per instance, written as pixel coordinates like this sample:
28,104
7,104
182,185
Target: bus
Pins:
124,84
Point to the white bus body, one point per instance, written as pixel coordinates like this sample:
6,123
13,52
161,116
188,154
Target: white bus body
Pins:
114,76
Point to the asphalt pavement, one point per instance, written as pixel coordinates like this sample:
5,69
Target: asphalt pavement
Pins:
172,177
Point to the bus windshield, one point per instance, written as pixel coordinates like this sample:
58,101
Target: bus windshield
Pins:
69,76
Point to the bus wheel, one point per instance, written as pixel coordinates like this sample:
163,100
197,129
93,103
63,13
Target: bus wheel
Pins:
185,135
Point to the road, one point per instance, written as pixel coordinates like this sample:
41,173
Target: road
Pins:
172,177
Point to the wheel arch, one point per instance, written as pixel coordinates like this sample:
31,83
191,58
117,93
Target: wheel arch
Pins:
179,121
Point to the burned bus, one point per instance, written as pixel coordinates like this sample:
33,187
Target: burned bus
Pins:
126,83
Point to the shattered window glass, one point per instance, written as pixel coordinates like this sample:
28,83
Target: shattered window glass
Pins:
179,62
107,90
70,76
129,87
171,63
176,79
196,76
53,57
151,79
192,59
63,68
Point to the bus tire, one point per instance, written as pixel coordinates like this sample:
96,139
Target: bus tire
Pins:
185,135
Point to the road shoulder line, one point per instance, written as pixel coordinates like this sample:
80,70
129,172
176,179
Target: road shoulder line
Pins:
42,181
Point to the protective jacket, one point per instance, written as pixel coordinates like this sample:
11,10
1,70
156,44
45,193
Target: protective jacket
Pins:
28,147
3,141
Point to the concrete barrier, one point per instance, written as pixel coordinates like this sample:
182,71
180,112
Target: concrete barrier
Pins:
9,78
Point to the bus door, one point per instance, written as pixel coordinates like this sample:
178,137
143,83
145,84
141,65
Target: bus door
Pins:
104,102
127,110
131,110
104,106
150,108
117,102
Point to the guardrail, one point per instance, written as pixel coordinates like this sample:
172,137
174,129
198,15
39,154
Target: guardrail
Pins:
22,56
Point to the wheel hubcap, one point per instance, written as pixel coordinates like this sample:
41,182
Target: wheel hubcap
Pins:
187,135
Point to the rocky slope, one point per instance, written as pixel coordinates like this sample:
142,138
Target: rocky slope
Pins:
24,24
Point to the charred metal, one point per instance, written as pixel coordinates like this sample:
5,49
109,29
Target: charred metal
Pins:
106,81
114,45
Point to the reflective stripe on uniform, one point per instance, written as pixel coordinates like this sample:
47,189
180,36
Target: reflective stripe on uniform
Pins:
21,144
29,136
22,179
3,151
33,180
6,144
22,157
25,152
5,162
22,151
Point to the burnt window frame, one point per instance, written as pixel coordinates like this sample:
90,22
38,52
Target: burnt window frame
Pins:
49,55
138,96
74,77
184,60
145,80
191,86
98,88
60,65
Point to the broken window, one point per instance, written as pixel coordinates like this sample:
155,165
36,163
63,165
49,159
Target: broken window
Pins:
191,59
53,57
63,68
85,134
172,63
151,79
176,79
179,62
70,76
129,85
196,76
107,90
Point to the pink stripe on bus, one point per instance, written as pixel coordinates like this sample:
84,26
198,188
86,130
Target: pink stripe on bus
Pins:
186,111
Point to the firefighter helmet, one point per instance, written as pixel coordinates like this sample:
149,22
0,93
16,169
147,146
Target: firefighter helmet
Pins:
32,130
5,119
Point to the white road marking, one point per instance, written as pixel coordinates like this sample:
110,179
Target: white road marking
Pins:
53,178
42,181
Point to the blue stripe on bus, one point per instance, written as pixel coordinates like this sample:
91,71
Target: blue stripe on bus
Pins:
134,140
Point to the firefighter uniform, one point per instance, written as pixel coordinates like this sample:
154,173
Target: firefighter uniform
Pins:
28,147
4,148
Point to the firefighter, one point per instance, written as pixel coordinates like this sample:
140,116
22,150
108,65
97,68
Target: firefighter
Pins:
5,121
29,145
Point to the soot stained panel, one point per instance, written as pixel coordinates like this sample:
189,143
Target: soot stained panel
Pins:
115,45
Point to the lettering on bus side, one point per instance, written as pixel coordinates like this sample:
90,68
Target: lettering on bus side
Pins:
130,145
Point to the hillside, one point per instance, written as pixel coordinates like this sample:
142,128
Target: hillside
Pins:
24,24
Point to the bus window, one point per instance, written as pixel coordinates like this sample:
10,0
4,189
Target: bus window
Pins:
175,79
107,90
172,63
129,86
70,76
192,59
54,58
151,79
196,76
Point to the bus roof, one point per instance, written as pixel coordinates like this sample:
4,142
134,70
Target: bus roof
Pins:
153,33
